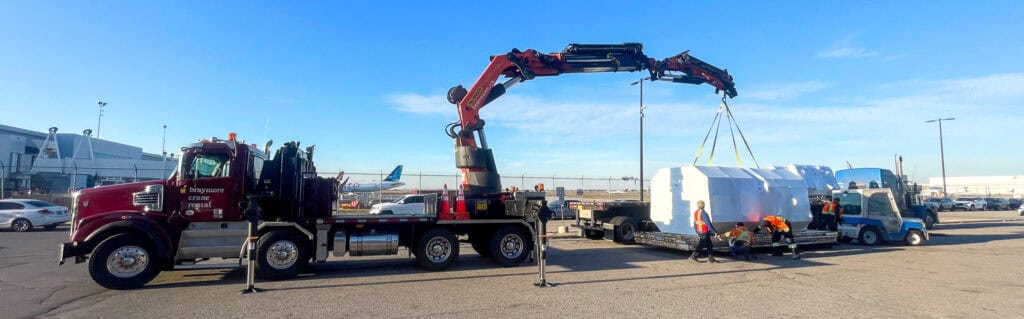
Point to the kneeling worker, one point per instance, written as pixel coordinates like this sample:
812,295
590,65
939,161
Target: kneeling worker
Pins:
779,227
740,241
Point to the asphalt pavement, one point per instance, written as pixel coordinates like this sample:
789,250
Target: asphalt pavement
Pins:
972,267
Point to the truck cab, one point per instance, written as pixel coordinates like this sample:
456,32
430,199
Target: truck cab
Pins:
907,195
872,216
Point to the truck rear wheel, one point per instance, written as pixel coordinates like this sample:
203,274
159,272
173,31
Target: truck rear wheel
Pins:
437,249
869,237
929,220
510,245
915,238
123,261
625,231
281,254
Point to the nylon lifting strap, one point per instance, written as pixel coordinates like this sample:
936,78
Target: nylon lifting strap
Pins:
716,124
700,149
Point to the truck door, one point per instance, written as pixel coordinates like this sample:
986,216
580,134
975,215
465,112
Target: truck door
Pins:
882,207
208,193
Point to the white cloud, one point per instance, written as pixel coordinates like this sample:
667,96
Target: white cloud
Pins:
785,91
847,52
421,104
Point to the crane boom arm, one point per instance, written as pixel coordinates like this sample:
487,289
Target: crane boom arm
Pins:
479,172
519,66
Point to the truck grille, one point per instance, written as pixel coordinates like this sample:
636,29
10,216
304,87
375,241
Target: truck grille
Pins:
151,199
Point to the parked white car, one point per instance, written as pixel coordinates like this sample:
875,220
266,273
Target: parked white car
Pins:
1020,210
973,203
411,204
27,214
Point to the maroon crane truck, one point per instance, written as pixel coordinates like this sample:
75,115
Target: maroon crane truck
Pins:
128,233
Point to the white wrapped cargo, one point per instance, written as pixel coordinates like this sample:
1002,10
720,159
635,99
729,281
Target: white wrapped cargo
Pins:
731,195
820,180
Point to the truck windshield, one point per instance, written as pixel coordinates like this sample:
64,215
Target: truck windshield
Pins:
850,203
209,165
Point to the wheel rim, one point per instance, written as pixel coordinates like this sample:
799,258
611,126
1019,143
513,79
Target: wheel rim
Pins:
282,254
127,261
438,249
627,231
512,246
21,225
870,237
915,238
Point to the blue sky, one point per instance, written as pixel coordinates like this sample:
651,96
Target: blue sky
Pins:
820,82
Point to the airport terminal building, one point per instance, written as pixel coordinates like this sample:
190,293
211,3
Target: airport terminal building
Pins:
54,162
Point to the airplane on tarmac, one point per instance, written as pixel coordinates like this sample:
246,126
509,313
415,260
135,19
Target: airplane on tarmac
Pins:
389,182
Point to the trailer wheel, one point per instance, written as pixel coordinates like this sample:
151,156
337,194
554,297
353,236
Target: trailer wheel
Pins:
281,254
481,243
915,238
625,231
510,245
437,249
123,261
869,236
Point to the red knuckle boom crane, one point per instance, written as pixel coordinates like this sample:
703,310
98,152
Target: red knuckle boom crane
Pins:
476,162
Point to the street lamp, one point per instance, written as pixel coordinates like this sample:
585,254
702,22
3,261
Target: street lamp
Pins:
942,152
642,107
100,118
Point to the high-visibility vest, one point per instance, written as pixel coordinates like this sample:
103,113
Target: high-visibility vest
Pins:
741,235
778,223
698,222
830,208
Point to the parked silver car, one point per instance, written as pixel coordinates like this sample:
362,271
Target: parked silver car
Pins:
26,214
940,204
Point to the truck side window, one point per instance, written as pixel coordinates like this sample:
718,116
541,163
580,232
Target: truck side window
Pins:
850,203
209,165
414,199
879,202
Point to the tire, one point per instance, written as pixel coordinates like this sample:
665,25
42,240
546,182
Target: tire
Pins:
281,254
915,238
510,245
51,227
625,231
124,261
593,234
481,242
437,249
929,221
869,237
21,225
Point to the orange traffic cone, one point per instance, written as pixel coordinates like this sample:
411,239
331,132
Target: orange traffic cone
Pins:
460,204
446,207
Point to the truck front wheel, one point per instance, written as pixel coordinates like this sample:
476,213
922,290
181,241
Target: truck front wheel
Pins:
123,261
929,220
915,238
281,254
510,245
437,249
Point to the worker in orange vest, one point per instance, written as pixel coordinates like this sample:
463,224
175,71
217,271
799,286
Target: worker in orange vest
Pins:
740,241
779,228
702,225
832,214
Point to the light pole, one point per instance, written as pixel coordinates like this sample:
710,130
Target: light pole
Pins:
942,152
163,148
99,119
642,107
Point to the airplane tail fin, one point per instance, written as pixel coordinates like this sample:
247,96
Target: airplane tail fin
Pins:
395,174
